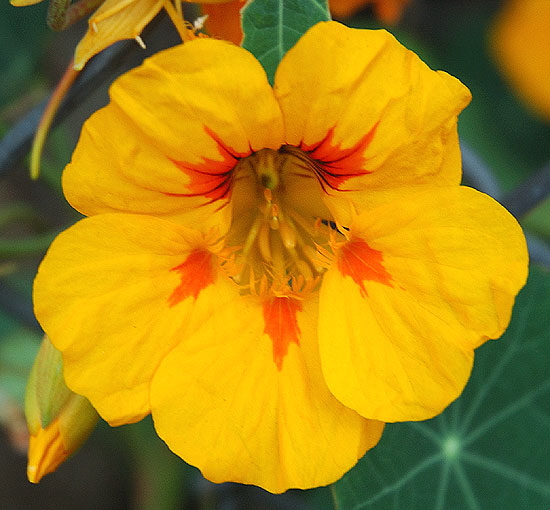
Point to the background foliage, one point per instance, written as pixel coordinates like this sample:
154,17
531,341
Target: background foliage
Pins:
487,450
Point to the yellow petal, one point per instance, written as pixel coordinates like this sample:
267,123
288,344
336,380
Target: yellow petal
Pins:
111,171
24,3
521,46
364,81
142,152
245,418
397,333
114,295
50,446
114,21
47,452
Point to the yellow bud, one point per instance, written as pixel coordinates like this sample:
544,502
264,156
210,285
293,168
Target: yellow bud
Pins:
59,420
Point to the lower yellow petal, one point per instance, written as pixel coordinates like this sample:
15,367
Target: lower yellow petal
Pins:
112,297
399,320
384,356
223,403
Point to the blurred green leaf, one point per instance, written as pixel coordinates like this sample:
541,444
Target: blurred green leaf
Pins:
506,135
17,353
23,31
489,449
272,27
538,220
28,247
162,474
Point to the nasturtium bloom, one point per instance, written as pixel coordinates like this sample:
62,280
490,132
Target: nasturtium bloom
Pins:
274,272
521,46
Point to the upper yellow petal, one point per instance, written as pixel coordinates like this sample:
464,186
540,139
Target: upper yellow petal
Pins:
397,335
139,153
364,81
245,419
111,296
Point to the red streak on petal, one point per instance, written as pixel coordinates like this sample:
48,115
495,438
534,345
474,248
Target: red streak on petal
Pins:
211,178
337,165
358,260
196,273
281,325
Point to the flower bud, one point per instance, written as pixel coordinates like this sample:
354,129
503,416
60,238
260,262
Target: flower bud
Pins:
59,421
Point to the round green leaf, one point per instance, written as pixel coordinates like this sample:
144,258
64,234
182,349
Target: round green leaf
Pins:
489,449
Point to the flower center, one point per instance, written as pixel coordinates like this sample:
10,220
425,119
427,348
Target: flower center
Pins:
279,220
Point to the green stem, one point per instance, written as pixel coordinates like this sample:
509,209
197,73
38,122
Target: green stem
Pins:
61,14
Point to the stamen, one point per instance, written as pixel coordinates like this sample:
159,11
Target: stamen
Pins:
274,219
288,234
279,260
307,225
264,243
314,257
280,255
186,34
252,235
139,40
303,268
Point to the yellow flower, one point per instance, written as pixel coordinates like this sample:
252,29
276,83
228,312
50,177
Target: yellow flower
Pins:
59,421
521,44
275,272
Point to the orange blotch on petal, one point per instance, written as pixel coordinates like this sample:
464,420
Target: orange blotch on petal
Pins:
212,178
337,165
196,273
362,263
281,325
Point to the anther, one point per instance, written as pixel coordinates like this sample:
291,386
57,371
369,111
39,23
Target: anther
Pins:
288,234
139,40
